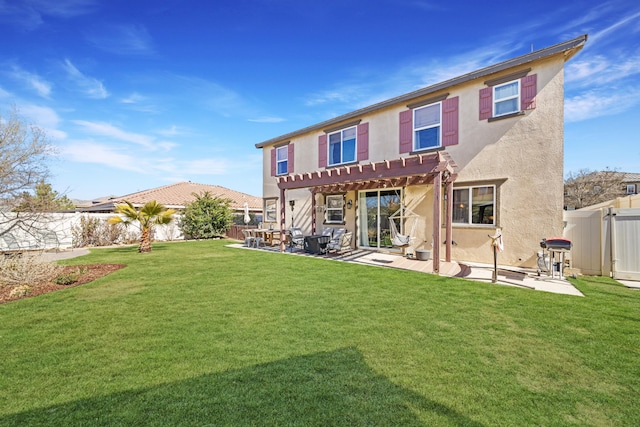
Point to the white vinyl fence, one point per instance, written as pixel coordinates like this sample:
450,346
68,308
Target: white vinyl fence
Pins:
53,231
606,242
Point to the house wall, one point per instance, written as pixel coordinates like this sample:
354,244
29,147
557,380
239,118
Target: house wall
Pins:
522,156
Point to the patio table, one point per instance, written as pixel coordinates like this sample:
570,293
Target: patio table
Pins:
267,235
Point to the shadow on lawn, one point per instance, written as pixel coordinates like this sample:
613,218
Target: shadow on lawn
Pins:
334,388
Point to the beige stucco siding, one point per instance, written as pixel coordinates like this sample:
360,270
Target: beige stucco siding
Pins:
522,156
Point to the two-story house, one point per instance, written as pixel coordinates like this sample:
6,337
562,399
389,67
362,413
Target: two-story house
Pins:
447,164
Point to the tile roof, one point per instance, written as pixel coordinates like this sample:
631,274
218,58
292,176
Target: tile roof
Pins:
631,177
181,193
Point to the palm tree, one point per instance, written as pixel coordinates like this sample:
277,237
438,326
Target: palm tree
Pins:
152,213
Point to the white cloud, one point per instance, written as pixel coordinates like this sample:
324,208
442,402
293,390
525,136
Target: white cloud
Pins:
30,14
92,152
267,120
594,104
172,131
134,98
124,39
605,32
45,118
110,131
32,80
92,87
600,70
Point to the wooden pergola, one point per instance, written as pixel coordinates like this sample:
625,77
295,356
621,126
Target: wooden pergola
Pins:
435,168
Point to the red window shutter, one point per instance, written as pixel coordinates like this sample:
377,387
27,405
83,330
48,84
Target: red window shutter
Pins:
406,131
322,151
529,86
273,162
363,141
486,103
290,158
450,121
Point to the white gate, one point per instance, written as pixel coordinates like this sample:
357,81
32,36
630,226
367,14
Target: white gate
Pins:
605,241
625,246
584,229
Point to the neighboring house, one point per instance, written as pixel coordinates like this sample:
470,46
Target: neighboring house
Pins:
631,182
448,163
587,189
178,195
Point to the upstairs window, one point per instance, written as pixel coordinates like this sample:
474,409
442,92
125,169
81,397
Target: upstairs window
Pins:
506,98
474,205
282,159
426,127
430,123
342,146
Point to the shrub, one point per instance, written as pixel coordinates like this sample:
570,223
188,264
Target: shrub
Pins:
96,232
20,291
70,277
26,270
207,217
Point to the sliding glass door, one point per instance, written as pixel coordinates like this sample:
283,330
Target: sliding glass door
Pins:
375,206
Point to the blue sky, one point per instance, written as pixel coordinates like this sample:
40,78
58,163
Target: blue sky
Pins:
138,94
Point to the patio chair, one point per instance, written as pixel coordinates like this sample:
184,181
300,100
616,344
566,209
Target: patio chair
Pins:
335,238
343,243
296,239
328,231
249,240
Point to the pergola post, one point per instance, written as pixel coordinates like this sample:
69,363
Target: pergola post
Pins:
449,219
313,211
437,209
282,219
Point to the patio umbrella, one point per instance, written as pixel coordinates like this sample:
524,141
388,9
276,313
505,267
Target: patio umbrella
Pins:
247,218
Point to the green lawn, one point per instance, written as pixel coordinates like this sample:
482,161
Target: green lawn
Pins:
198,334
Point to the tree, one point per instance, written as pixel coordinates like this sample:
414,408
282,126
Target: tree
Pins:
586,187
24,151
44,200
207,217
149,215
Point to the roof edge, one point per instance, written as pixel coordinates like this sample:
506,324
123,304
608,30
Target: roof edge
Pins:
572,46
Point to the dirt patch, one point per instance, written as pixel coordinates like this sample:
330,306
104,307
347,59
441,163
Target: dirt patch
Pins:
87,273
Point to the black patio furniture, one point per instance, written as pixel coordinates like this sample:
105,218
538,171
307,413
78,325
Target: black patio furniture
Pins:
316,244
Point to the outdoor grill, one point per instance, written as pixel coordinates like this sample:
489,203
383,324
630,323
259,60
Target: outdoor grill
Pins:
555,245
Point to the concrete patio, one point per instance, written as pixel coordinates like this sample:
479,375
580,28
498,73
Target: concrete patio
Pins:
507,276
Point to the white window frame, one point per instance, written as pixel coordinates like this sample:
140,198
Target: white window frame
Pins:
508,98
355,146
417,129
284,161
631,189
334,203
271,210
469,222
